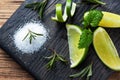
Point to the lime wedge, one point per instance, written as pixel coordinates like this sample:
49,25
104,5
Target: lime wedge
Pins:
105,49
76,54
110,20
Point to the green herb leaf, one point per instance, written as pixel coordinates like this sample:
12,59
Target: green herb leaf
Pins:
61,58
51,62
92,18
85,39
32,5
30,39
26,36
53,58
32,35
38,6
95,2
87,71
81,73
43,5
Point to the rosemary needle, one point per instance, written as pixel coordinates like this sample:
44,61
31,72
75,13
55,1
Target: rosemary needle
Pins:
53,58
38,6
87,71
32,35
94,2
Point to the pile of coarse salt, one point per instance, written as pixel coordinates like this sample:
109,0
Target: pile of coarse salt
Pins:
24,45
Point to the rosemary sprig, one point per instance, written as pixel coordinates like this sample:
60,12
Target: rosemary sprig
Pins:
32,35
53,58
94,1
38,6
87,71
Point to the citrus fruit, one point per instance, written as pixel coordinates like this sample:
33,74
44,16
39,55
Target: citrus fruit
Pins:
76,54
69,11
110,20
105,49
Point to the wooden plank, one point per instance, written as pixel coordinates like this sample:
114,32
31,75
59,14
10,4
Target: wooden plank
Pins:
2,21
11,6
7,8
14,78
5,16
9,69
115,76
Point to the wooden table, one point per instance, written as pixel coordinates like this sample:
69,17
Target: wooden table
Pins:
9,69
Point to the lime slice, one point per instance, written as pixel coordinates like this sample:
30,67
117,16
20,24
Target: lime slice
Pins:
105,49
110,20
76,54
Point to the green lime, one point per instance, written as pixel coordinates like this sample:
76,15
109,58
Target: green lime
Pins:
105,49
76,55
69,11
110,20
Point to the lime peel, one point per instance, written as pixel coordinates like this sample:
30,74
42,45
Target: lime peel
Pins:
69,11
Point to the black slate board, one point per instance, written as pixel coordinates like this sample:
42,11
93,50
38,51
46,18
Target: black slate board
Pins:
35,63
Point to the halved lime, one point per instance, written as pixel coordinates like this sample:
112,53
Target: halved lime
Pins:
76,54
105,49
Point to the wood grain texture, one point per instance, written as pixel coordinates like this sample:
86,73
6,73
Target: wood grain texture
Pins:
9,70
7,8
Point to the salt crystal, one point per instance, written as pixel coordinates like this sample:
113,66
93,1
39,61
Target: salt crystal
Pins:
37,43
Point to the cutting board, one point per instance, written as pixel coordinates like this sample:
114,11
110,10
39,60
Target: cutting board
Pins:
36,63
